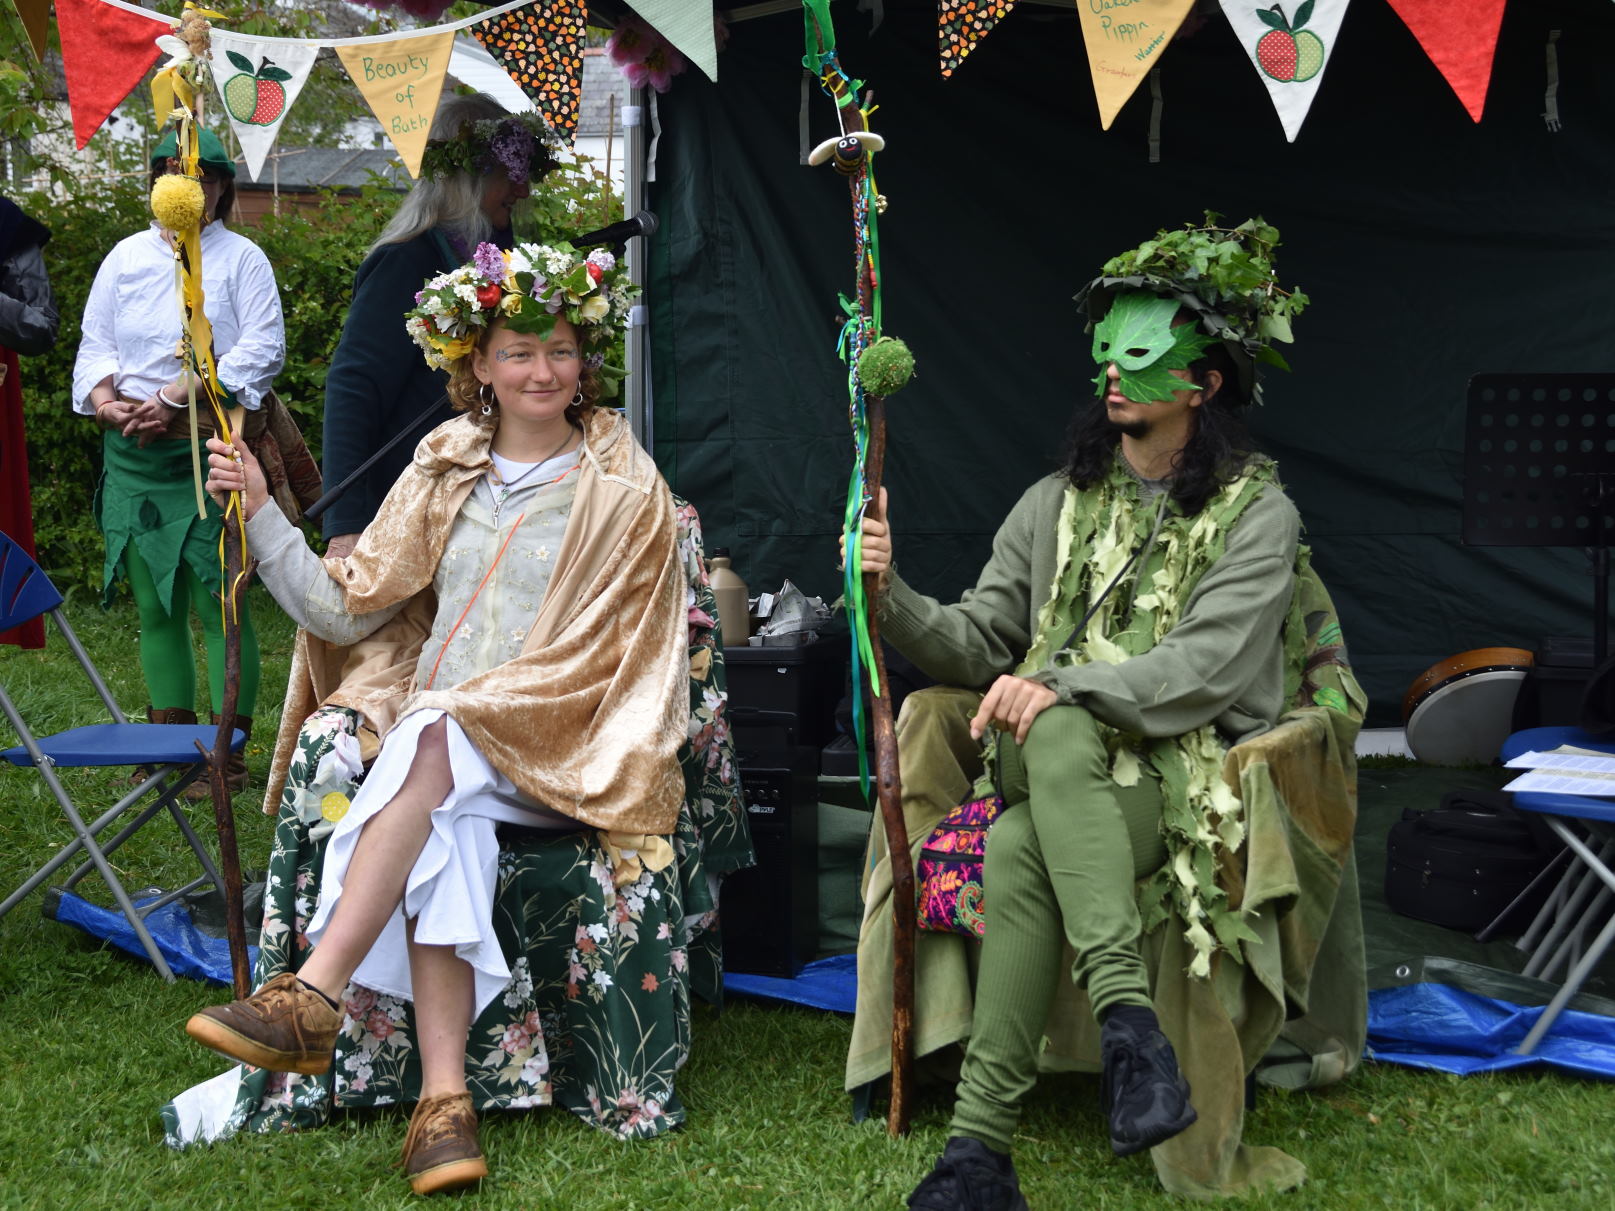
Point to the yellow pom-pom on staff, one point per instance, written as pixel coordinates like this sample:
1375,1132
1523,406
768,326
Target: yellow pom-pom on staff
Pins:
177,202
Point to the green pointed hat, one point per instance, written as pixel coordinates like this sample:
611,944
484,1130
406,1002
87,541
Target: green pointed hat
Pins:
1224,275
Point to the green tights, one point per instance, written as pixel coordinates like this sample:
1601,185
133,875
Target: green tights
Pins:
1060,868
165,640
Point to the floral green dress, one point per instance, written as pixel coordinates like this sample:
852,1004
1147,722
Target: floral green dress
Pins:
596,1017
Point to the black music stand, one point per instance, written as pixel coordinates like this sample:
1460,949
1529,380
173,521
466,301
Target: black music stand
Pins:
1539,470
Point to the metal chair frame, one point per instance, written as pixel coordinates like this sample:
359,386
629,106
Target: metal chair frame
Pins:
26,593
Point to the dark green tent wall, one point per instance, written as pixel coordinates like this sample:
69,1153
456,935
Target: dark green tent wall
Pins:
1433,248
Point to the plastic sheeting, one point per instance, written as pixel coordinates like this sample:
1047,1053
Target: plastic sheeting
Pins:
188,950
830,983
1457,1017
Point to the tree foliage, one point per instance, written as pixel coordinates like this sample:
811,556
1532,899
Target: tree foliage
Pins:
315,252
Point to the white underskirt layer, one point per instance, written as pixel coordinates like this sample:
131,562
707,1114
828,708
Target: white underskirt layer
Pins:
450,889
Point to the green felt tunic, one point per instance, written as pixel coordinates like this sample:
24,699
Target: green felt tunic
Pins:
148,497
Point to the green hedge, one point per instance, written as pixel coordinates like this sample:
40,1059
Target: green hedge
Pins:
314,252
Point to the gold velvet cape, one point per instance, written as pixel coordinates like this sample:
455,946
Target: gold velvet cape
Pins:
589,717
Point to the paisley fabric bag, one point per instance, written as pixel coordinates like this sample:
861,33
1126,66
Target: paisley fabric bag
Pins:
949,874
950,867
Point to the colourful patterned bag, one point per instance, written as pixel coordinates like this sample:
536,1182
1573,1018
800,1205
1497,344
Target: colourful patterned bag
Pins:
950,868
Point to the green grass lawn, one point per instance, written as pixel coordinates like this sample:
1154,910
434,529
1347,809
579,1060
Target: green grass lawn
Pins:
91,1043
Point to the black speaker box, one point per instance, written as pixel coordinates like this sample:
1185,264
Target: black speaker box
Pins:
769,914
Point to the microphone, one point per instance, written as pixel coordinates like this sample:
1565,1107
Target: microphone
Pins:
643,223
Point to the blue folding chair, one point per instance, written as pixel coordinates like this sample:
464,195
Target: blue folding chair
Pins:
168,749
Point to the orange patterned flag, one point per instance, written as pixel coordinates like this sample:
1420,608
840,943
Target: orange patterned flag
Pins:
541,46
402,79
960,24
1125,38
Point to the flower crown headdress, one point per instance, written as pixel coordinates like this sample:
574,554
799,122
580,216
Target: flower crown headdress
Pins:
1224,275
529,287
523,145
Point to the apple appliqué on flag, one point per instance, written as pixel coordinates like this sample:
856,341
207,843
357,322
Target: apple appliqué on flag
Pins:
256,96
1287,52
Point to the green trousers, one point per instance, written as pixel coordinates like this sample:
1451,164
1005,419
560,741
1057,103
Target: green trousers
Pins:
1061,864
165,639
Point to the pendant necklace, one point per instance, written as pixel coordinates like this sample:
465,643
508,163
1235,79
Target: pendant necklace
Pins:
505,489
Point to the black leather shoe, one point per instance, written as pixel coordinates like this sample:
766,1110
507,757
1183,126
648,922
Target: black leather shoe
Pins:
969,1176
1144,1094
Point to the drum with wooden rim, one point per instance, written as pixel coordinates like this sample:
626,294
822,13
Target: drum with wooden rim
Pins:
1461,709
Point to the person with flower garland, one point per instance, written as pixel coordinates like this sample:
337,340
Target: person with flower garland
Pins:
512,627
128,376
479,162
1128,629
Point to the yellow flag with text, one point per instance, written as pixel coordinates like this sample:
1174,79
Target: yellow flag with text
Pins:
402,78
1125,39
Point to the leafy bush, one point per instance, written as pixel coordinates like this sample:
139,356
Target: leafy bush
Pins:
314,251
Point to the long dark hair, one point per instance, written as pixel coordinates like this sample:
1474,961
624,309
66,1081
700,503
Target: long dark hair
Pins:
1217,450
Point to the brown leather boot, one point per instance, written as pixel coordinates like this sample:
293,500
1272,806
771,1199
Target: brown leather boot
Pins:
164,714
235,771
441,1150
286,1026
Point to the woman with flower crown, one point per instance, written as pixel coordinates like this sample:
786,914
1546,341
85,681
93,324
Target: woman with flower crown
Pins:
511,628
480,161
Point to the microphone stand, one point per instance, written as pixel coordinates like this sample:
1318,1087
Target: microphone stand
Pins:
313,512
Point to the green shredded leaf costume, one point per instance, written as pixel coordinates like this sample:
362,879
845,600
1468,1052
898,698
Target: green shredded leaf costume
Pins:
1201,817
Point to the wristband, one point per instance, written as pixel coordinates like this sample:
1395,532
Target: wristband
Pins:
162,395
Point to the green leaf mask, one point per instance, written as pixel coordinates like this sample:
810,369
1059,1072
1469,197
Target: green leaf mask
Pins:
1137,334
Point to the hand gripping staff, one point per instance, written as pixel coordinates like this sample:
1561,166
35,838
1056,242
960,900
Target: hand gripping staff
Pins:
176,97
876,366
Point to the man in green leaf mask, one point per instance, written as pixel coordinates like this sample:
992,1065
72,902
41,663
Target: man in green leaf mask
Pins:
1126,631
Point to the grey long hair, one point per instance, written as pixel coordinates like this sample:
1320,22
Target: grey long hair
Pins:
453,202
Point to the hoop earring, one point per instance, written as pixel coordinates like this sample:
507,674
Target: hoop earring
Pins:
577,400
485,394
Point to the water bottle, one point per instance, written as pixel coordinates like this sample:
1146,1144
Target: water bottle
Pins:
730,591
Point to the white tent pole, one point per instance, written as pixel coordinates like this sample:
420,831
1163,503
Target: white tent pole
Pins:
633,198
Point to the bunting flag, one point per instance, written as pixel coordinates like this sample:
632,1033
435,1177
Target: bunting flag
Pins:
258,81
541,47
35,16
401,80
1124,44
1289,52
1460,40
689,27
106,49
960,24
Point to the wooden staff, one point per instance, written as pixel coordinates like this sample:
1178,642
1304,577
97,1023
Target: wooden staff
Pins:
235,580
218,761
888,783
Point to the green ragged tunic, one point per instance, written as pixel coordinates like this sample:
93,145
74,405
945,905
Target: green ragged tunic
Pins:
1099,532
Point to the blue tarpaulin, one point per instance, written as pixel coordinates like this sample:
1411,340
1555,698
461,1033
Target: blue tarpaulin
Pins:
1451,1029
187,950
830,983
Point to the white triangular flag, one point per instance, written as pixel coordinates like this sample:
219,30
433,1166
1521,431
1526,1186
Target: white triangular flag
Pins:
1289,50
258,81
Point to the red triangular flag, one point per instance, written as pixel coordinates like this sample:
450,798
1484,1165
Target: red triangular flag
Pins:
1460,40
105,51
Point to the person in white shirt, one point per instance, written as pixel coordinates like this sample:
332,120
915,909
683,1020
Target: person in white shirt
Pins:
128,375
